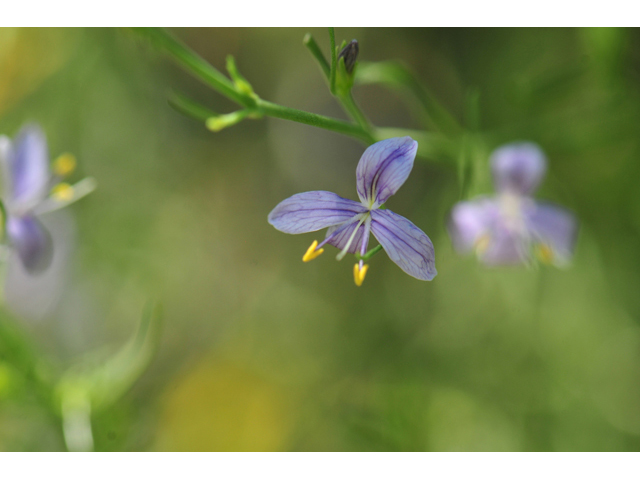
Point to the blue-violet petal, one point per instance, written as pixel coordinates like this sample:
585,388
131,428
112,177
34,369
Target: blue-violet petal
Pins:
32,242
471,220
26,169
518,168
407,245
311,211
554,227
383,168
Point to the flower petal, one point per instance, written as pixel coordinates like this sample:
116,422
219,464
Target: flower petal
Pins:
554,227
504,247
36,297
311,211
383,168
469,221
32,242
342,233
518,168
407,245
26,169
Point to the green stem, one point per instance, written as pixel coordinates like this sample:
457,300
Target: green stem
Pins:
300,116
189,107
201,69
334,65
347,101
313,47
349,104
195,64
369,254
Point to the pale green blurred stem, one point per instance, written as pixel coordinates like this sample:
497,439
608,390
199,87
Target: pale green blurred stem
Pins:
76,422
396,75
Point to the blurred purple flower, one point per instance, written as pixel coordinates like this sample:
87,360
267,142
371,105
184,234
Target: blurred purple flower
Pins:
31,190
508,228
382,170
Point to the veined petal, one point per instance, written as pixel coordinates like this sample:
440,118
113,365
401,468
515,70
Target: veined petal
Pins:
469,221
339,235
311,211
383,168
553,227
31,241
26,169
407,245
518,168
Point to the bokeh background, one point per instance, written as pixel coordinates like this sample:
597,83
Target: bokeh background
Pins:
262,352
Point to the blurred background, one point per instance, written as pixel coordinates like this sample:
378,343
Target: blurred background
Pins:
260,351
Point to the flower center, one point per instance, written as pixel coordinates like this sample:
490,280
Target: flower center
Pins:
511,207
344,251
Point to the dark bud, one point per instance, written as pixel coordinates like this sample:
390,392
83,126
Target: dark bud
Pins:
350,55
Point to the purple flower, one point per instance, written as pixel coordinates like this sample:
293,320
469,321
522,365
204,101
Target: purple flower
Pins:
31,190
382,170
508,228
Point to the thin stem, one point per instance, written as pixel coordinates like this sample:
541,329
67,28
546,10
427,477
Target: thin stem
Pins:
369,254
354,111
347,101
194,64
201,69
300,116
334,63
313,47
189,107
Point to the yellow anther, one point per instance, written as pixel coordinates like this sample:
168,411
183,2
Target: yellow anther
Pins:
544,253
312,252
62,192
482,243
64,164
359,273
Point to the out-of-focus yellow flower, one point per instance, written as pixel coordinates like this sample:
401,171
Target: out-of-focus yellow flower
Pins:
224,407
28,56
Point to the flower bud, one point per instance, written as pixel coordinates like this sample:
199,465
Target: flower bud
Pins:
350,55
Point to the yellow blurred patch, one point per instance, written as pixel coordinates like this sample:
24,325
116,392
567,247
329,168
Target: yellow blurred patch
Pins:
64,165
482,244
30,55
544,253
63,192
223,407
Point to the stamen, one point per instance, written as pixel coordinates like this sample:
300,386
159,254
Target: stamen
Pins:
343,252
312,253
64,164
62,192
544,253
359,272
482,243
